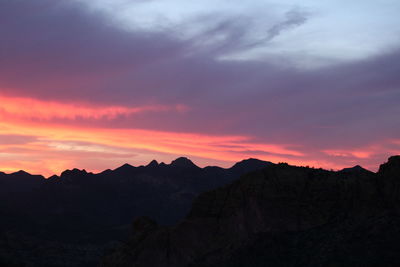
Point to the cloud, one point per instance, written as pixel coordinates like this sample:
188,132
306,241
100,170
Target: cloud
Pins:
60,50
294,18
13,139
64,66
99,148
228,35
50,110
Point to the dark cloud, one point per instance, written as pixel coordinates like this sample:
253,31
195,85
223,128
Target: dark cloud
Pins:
294,18
227,34
58,49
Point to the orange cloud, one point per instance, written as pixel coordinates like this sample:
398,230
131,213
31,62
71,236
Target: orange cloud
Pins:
64,138
36,109
47,147
361,154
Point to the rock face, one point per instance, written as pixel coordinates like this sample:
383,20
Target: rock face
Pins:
280,216
389,181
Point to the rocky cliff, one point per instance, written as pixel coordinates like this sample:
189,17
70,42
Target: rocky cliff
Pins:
280,216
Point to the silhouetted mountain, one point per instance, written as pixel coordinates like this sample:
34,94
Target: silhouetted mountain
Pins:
279,216
20,181
356,168
85,208
152,164
184,163
249,165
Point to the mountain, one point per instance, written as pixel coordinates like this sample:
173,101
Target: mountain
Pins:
79,207
279,216
355,169
20,181
249,165
183,163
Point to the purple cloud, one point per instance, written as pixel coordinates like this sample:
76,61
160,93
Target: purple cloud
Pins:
61,51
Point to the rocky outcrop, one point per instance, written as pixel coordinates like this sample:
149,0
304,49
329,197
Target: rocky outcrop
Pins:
280,216
389,181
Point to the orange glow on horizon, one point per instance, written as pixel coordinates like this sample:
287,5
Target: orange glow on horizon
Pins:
55,147
197,145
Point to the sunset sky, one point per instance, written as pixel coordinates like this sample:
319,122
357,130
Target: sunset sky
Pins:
96,84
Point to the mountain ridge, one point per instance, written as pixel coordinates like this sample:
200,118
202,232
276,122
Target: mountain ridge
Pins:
281,215
80,207
154,163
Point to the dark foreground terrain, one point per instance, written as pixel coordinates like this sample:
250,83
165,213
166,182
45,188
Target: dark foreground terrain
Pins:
73,219
279,216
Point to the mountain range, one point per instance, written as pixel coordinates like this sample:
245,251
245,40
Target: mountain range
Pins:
253,214
279,216
80,214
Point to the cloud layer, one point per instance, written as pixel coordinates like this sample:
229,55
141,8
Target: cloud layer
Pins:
63,66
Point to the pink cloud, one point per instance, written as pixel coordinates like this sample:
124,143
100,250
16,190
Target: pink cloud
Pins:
20,107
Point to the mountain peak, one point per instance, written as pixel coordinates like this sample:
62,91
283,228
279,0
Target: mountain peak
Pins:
250,160
152,164
21,172
183,162
73,172
356,168
53,178
250,164
25,175
125,167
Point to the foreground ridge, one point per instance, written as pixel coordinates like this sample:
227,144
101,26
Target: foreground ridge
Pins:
280,216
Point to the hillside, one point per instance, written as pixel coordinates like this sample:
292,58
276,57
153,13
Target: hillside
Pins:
279,216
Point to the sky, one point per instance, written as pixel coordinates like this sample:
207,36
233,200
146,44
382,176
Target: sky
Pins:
96,84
